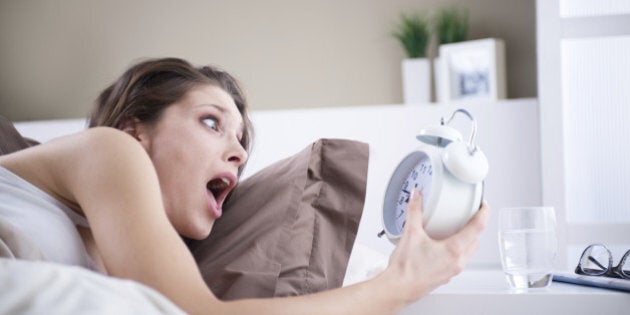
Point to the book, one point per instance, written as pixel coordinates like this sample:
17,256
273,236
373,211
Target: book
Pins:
593,281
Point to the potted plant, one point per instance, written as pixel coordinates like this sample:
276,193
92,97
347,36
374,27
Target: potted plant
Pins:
413,34
451,26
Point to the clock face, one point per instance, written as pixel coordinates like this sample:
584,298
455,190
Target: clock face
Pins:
419,177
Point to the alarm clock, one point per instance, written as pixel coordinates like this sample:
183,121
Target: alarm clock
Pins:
449,173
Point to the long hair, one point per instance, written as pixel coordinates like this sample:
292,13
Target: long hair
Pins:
147,88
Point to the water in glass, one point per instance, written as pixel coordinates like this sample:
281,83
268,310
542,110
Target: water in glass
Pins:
528,246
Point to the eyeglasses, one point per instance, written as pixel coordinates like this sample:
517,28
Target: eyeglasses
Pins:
597,260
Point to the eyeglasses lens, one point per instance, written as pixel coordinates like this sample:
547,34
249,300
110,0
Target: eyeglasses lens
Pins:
625,265
596,260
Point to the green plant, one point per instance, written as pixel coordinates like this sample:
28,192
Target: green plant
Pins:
413,34
451,25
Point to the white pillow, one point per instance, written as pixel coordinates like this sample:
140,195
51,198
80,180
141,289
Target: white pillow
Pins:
364,264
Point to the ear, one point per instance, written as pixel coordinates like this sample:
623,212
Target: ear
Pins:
131,126
138,130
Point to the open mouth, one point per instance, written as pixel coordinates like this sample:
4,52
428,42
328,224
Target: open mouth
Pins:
219,187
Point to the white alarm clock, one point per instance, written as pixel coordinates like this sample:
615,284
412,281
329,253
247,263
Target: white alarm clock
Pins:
450,174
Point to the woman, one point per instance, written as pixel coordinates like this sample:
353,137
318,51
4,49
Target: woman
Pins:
179,139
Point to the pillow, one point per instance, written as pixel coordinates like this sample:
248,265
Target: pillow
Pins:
13,243
289,229
10,138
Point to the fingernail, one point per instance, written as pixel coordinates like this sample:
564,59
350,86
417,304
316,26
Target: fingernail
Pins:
415,194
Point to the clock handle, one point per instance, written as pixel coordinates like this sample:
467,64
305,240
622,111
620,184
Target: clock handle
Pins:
471,147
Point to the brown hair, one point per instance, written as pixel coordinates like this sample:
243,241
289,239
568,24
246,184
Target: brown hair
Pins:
147,88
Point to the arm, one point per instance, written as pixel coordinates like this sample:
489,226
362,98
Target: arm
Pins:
418,265
109,175
112,179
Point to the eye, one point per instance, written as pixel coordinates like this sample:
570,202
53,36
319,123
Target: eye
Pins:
211,122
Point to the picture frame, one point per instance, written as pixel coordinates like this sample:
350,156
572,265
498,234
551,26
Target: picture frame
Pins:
472,70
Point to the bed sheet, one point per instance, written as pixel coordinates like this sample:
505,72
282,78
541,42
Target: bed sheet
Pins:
37,287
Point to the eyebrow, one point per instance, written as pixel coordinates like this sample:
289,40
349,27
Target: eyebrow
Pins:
220,108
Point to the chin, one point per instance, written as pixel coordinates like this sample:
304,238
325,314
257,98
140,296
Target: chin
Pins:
197,231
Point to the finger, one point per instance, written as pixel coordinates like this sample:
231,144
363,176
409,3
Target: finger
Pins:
474,227
484,204
470,248
414,210
468,251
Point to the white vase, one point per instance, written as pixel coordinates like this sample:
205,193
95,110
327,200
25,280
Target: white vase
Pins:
438,80
416,75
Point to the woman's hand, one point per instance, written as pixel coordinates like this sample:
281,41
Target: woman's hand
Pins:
419,264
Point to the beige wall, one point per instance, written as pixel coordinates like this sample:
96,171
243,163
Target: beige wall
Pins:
55,56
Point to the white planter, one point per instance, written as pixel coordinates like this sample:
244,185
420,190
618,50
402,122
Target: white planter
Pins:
441,87
416,75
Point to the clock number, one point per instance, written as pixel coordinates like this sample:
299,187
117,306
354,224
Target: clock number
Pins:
400,214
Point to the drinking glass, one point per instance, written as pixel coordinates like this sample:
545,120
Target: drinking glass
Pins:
528,245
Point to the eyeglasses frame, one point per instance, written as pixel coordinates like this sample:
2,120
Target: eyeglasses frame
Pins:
608,271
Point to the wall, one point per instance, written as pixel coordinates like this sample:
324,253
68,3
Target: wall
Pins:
57,55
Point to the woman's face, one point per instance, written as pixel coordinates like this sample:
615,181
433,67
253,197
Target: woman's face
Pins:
196,151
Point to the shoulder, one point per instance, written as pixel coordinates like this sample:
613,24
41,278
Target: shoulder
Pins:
99,143
94,146
89,152
79,159
102,138
100,167
89,142
66,166
99,151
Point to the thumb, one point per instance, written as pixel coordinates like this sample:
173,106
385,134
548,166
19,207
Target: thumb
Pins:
414,211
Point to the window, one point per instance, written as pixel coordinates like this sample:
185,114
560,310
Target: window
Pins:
584,93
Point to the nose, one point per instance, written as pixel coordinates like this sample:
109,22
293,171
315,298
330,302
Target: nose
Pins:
236,153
